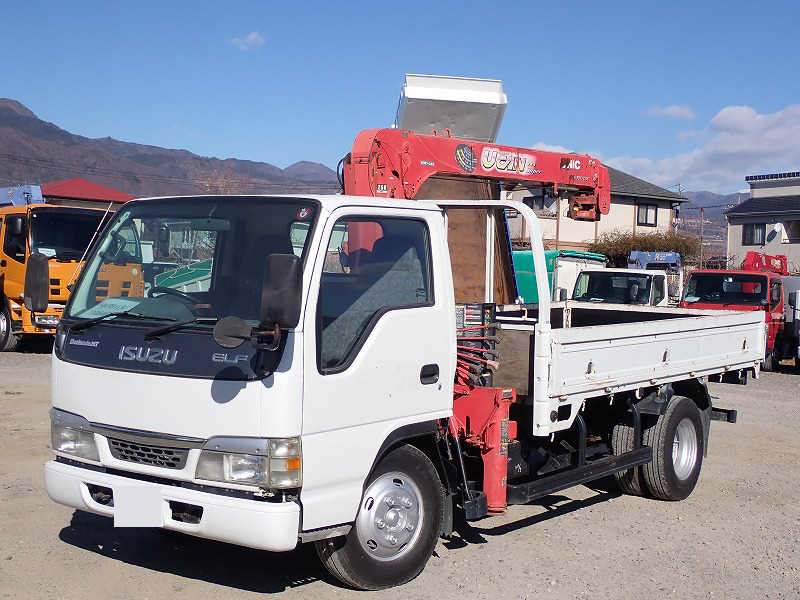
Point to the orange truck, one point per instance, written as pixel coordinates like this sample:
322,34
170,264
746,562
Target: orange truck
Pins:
62,233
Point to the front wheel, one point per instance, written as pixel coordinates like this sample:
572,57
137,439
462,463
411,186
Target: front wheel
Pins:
770,362
396,528
8,341
677,443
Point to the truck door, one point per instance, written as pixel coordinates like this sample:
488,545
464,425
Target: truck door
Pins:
13,253
775,317
378,353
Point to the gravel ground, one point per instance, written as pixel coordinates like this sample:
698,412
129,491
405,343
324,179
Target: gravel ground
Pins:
737,536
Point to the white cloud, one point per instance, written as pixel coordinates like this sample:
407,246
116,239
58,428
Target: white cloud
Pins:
738,141
684,136
251,41
673,111
550,148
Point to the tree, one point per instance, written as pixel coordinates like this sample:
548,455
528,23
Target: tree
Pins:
618,244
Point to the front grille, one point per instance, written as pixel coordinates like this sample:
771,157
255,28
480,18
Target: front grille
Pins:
157,456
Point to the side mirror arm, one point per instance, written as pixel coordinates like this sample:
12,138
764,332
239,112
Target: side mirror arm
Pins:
260,336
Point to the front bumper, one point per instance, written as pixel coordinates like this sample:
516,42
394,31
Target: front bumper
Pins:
262,525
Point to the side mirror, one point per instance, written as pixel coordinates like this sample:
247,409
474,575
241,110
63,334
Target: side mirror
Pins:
17,226
792,299
562,294
634,291
775,295
37,283
764,302
282,292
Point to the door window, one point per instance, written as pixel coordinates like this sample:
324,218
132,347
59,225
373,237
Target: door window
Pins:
658,290
371,266
775,294
14,243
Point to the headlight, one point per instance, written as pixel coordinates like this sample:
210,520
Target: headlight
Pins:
70,434
273,463
234,468
46,320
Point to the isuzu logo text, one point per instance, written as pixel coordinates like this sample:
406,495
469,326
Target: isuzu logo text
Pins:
153,355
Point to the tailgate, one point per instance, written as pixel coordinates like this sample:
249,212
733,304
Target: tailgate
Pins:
608,358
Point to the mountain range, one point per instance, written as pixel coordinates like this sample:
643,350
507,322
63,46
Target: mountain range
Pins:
35,151
710,223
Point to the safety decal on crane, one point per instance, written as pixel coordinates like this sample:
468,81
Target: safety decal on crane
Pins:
466,159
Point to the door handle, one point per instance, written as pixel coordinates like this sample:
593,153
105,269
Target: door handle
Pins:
429,374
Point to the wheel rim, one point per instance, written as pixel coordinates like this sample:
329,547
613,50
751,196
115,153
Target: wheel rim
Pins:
3,325
388,523
684,449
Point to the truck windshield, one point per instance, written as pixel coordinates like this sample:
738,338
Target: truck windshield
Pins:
63,234
726,288
614,288
189,259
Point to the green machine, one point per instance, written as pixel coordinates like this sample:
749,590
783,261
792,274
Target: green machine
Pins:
563,267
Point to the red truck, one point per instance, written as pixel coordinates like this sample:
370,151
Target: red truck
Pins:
760,284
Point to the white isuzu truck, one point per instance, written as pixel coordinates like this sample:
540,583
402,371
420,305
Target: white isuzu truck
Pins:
293,392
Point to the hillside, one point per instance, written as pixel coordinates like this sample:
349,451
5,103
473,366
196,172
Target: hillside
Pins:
36,151
714,224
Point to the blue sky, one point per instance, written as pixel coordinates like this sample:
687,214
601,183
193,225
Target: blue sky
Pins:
690,92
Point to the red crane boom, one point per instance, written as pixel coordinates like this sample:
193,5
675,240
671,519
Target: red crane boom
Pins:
393,163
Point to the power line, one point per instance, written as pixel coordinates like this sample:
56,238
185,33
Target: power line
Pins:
728,205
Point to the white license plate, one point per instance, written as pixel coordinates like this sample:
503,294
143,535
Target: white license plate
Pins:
137,506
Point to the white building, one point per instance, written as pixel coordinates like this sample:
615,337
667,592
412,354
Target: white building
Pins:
636,205
769,220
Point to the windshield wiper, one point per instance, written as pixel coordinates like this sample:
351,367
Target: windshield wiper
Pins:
85,324
163,330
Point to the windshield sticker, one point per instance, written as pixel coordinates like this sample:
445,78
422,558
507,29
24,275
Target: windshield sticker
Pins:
106,307
303,214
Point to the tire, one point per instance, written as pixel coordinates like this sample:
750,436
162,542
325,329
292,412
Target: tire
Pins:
8,341
770,363
622,439
396,528
677,443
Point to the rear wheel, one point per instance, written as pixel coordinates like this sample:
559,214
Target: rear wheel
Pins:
8,341
622,440
396,528
677,443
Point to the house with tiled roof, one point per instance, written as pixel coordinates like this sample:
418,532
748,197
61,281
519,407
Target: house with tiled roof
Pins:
769,220
636,205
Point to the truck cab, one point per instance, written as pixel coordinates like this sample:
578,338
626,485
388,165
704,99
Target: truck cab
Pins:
563,267
60,233
622,286
742,290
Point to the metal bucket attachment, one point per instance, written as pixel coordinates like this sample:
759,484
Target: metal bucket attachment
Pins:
468,108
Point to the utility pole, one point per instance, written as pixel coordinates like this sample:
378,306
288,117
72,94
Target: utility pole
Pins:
702,218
